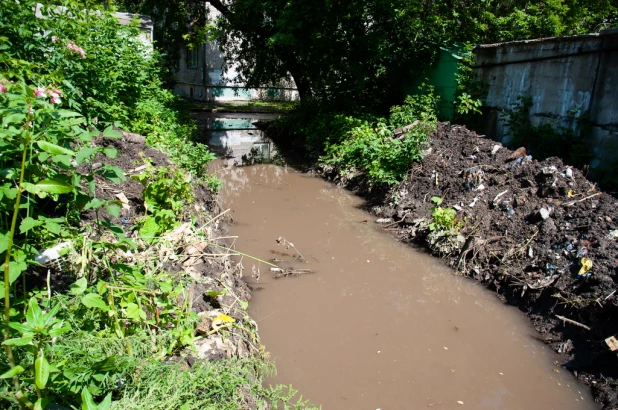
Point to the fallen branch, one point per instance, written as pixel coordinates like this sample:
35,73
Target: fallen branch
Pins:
287,272
394,223
571,321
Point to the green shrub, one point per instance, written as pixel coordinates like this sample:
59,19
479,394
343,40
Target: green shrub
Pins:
370,147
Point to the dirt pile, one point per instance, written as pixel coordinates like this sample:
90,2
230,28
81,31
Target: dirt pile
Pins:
192,251
538,233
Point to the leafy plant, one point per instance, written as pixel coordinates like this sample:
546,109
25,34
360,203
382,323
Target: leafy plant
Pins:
167,191
443,218
468,105
372,148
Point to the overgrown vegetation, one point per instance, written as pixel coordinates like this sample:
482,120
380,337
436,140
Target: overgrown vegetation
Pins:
69,78
370,144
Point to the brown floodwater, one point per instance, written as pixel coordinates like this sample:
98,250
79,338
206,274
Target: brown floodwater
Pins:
379,325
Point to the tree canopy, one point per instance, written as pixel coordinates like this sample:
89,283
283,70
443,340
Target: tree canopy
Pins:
360,50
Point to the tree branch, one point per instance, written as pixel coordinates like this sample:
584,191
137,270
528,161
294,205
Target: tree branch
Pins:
222,8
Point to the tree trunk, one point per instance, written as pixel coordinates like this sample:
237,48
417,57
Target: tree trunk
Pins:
303,85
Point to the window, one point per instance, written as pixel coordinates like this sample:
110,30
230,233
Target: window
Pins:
193,57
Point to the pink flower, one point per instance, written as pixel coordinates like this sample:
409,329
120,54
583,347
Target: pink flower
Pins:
55,99
40,92
3,89
54,39
74,47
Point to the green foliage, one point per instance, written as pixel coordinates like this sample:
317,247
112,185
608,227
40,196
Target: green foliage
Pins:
61,77
372,148
548,139
167,191
443,219
467,104
359,53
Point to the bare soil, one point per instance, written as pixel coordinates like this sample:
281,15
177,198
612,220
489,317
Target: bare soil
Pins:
525,226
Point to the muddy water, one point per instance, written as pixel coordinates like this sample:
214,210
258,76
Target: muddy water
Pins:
379,325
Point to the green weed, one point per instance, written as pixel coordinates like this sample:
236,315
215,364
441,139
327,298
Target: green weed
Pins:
443,219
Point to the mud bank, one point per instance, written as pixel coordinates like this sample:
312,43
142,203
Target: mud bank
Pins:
193,251
526,228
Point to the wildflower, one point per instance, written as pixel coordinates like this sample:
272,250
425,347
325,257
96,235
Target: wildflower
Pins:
74,47
54,39
55,99
30,110
40,92
3,89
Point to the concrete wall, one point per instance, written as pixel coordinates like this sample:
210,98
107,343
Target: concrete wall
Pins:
566,77
208,81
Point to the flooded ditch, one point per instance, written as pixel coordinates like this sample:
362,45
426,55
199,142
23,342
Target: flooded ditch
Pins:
378,325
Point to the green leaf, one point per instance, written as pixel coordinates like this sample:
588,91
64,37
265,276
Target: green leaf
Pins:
62,159
149,230
33,189
84,154
16,118
110,132
55,186
106,404
110,152
15,269
93,300
8,173
113,210
113,173
41,371
53,227
57,332
67,114
79,286
54,149
20,341
214,293
13,372
21,328
28,223
40,404
87,401
34,313
4,242
134,312
94,203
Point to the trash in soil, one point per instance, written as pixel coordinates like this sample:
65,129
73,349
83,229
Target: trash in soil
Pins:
586,266
612,343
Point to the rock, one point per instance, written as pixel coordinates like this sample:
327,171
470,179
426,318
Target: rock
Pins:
384,221
544,213
495,149
548,226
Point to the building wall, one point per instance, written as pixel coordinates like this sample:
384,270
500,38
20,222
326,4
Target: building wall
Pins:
566,77
210,82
